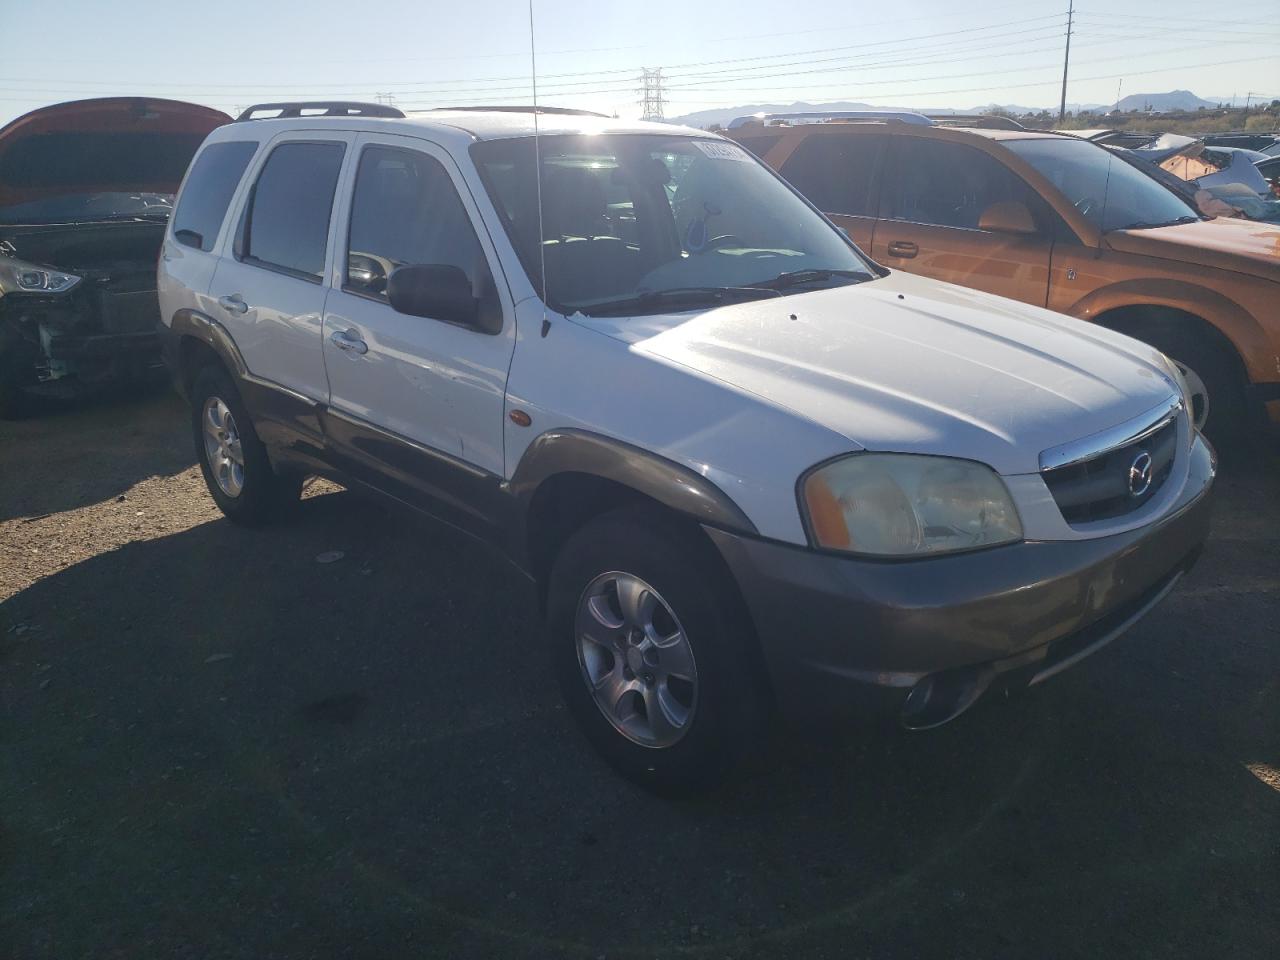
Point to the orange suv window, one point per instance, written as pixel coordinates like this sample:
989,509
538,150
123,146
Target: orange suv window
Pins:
950,185
837,173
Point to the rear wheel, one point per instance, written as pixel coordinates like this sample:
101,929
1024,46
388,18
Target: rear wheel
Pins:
653,654
233,460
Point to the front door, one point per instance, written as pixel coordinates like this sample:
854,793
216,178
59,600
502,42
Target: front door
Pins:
416,404
931,215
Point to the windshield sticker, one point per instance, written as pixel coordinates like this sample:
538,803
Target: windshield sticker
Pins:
723,151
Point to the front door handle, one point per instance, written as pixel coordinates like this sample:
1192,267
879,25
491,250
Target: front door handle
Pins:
233,304
903,248
349,340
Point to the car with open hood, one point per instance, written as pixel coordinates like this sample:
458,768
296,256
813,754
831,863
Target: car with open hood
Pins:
86,189
750,473
1059,222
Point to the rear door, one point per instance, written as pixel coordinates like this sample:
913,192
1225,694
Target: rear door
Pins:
935,196
838,169
270,285
416,404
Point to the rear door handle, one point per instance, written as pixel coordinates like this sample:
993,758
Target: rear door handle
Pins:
903,248
233,304
349,340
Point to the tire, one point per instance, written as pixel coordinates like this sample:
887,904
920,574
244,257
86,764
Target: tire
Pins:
706,696
1226,421
234,461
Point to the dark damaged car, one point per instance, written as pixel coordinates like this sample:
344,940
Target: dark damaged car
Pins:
86,189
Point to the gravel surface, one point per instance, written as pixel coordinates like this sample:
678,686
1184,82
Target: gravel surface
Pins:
212,745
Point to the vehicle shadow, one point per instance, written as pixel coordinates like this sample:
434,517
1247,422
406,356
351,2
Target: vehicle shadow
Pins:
371,752
121,437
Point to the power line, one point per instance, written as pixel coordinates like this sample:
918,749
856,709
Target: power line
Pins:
1066,61
653,96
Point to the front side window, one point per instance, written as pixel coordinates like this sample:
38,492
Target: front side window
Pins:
405,210
947,184
837,172
1112,194
634,222
209,187
286,223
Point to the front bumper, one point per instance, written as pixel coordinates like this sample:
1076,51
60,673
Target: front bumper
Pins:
848,636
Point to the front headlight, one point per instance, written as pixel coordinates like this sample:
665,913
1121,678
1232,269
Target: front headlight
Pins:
19,277
1178,374
902,505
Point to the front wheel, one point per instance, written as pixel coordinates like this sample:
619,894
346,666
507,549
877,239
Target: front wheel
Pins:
233,460
653,653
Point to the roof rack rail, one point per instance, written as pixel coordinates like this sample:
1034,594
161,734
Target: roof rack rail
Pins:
819,116
516,108
322,108
982,121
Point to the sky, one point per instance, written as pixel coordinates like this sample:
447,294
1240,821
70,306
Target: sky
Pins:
416,54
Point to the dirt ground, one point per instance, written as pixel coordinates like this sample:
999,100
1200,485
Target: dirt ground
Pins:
212,745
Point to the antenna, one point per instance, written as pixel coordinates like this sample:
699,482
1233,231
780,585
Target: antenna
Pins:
1066,61
653,95
537,170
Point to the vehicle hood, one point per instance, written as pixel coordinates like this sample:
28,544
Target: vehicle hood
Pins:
100,145
1242,246
909,364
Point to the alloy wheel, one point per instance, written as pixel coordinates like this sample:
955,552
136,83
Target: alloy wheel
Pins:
222,447
636,660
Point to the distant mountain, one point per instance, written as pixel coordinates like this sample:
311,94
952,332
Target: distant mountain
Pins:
1157,102
1164,102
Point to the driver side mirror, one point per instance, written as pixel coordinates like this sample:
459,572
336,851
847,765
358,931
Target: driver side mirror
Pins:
433,290
1008,216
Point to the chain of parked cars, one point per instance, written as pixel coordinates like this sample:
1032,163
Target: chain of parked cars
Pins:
869,414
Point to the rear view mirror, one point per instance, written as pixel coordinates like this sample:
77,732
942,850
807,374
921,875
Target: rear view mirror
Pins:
434,290
1007,216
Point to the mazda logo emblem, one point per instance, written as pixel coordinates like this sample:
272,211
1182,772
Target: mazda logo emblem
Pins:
1140,474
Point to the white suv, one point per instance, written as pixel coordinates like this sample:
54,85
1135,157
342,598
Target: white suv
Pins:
753,473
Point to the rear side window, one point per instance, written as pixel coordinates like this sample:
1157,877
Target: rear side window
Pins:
213,180
837,173
951,185
405,210
286,223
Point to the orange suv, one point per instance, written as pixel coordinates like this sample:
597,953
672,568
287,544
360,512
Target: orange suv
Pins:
1053,221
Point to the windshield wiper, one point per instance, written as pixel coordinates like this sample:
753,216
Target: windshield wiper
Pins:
794,278
1141,225
652,300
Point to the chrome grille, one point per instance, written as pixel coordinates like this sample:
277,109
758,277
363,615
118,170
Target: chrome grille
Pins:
1116,478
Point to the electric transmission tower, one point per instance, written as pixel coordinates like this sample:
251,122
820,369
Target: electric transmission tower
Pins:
653,96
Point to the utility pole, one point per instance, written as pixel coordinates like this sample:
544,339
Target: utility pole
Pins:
1066,62
653,96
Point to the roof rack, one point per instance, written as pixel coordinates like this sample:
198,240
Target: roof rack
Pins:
820,116
981,121
320,108
550,111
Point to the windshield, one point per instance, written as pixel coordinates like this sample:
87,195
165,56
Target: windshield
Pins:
641,222
1111,193
83,207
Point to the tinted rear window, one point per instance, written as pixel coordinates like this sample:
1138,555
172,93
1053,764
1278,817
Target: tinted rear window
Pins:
287,222
213,180
837,173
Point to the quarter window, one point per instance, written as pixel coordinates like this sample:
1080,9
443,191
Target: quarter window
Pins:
213,180
950,184
837,173
286,223
405,210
